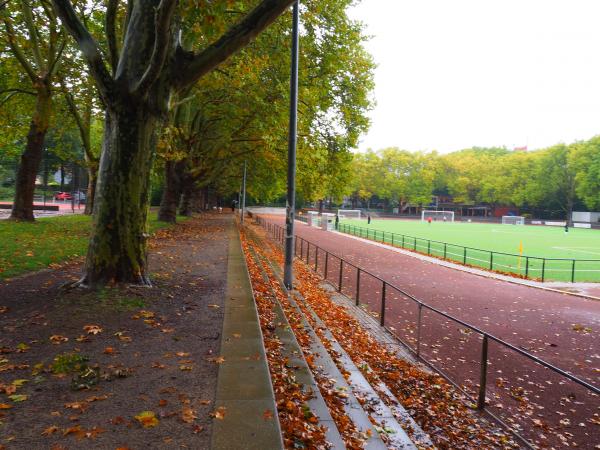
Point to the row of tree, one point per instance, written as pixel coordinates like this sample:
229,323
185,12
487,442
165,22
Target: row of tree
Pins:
182,92
557,178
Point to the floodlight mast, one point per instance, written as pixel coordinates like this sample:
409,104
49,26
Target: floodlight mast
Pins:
292,136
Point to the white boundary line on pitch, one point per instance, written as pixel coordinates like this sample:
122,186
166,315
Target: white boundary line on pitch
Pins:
484,273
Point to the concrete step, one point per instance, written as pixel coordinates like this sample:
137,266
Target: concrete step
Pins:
291,349
390,414
388,419
328,368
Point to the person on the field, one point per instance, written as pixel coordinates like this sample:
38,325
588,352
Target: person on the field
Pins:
567,226
337,221
429,220
368,219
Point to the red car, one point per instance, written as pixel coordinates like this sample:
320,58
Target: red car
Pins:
62,196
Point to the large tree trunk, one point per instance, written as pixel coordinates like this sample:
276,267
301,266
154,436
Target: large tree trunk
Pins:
185,207
192,199
91,189
117,251
32,156
171,192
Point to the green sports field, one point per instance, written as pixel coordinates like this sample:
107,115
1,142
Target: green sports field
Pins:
544,247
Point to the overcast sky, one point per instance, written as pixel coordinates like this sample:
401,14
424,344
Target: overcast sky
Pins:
455,74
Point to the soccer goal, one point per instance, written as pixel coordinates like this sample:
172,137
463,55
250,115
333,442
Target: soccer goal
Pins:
513,220
349,213
443,216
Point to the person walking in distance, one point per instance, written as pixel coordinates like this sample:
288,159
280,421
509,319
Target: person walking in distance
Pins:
369,219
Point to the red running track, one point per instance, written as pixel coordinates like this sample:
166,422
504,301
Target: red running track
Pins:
559,328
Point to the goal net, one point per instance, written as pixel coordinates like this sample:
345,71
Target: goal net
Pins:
444,216
349,213
513,220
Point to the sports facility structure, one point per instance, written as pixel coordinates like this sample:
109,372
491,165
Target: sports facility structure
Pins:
349,213
444,216
539,252
513,220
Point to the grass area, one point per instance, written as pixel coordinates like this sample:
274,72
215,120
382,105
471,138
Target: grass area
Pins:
26,247
538,242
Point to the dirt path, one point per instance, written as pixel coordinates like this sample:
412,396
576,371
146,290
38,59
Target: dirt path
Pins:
147,349
559,328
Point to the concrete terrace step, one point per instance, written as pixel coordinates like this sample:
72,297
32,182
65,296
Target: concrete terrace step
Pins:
387,418
303,374
393,417
328,369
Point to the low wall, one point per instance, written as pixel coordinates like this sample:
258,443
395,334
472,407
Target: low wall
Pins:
268,210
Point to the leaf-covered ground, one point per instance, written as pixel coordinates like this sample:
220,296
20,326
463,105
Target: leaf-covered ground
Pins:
300,427
131,368
436,406
47,242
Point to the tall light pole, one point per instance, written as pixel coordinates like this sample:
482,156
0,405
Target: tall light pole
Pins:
291,176
243,205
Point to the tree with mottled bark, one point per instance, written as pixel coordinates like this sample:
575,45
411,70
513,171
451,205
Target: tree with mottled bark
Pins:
35,39
147,68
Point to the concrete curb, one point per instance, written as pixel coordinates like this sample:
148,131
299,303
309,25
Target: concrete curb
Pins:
244,385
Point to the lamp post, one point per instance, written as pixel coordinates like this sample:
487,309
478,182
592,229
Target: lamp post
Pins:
243,205
292,137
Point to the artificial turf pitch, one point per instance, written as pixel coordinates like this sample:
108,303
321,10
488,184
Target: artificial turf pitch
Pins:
538,242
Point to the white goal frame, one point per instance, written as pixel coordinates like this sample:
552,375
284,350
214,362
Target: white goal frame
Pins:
513,220
354,213
437,215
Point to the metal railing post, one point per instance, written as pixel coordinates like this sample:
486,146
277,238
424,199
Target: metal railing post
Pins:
419,329
402,241
543,269
341,273
415,245
527,267
445,245
301,249
393,239
307,252
382,315
429,247
491,260
317,259
326,264
465,255
357,286
483,373
573,272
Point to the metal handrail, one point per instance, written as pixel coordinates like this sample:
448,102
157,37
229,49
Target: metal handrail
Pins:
351,229
485,335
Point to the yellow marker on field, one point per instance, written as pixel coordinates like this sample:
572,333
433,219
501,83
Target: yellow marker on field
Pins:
520,254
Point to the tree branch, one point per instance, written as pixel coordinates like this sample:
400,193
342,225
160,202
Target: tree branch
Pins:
111,35
17,90
88,47
16,50
164,14
33,35
186,71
